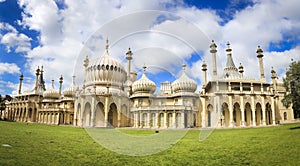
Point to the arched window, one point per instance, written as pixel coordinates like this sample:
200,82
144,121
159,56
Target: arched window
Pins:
285,116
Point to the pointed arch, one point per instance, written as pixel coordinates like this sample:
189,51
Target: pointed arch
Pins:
86,116
208,114
258,112
248,114
113,115
268,114
237,117
99,115
225,119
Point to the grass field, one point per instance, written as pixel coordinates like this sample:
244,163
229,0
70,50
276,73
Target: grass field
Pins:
35,144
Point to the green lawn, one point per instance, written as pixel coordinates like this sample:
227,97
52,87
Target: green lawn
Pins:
35,144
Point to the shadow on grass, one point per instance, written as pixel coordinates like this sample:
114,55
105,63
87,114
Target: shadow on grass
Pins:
294,128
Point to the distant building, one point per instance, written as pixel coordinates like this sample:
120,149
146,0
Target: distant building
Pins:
112,97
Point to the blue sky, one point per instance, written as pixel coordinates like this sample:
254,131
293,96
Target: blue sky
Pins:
54,33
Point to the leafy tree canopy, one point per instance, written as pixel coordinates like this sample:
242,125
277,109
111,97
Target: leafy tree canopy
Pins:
292,85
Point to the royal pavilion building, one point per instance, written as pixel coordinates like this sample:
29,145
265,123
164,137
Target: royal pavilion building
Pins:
112,96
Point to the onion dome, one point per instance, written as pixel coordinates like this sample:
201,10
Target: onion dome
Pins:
104,71
70,91
52,93
184,83
144,84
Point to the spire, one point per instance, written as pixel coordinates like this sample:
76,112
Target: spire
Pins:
229,62
230,71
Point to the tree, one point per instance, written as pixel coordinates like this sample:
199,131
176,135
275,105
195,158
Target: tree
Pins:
292,85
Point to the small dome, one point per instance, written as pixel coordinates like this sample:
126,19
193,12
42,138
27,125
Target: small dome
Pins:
70,91
52,93
105,70
144,84
184,83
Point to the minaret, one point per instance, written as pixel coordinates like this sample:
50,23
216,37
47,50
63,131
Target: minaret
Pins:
241,70
129,58
60,83
42,82
20,85
213,51
37,77
85,64
261,65
274,76
204,69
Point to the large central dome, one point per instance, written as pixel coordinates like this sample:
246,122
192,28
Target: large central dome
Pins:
105,71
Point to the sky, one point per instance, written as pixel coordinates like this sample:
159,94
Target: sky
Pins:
163,34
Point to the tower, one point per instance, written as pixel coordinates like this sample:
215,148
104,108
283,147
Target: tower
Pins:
60,84
129,58
261,65
20,85
37,77
85,64
204,69
213,51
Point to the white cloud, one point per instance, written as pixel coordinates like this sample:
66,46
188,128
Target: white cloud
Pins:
12,39
10,68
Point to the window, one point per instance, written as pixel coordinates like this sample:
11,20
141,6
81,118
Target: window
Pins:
285,116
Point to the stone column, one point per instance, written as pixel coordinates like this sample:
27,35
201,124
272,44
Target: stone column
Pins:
174,119
157,119
141,120
273,110
149,119
136,119
242,111
263,109
230,107
203,112
119,117
253,111
182,119
106,109
165,120
57,118
93,112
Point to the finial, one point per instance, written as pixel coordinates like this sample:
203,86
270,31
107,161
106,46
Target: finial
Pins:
213,45
259,51
183,66
129,54
107,45
52,84
241,68
61,79
144,68
204,66
86,61
73,79
21,76
42,68
228,47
